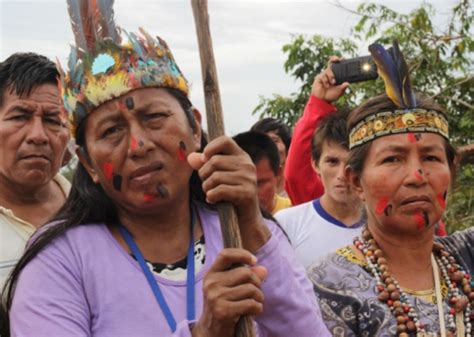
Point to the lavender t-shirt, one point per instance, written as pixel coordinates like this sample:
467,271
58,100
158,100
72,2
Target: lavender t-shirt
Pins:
86,284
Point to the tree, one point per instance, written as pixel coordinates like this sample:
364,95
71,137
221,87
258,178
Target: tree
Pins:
441,66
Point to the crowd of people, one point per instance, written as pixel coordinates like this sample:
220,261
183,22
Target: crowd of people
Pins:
340,219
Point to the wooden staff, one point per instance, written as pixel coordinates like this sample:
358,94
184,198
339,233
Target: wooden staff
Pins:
215,123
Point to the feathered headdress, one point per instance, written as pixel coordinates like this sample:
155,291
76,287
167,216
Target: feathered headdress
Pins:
101,67
393,69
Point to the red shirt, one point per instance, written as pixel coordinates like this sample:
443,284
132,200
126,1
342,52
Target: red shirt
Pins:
301,182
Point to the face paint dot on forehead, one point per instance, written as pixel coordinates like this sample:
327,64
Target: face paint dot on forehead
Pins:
117,182
121,106
129,103
108,169
381,205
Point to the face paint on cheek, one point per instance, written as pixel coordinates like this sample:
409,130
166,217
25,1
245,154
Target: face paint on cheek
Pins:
181,152
387,210
117,182
148,197
381,205
129,103
419,221
141,143
426,218
162,191
442,200
108,171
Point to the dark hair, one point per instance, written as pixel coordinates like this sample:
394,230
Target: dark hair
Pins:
88,203
331,129
22,72
271,124
358,155
259,146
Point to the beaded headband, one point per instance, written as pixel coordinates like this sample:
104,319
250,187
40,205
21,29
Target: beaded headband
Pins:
398,121
101,68
393,69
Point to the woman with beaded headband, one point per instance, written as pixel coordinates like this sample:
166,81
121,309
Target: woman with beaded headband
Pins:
137,248
395,279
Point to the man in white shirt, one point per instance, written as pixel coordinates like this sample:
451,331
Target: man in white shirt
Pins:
323,225
33,140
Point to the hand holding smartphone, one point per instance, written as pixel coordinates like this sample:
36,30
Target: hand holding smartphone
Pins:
355,70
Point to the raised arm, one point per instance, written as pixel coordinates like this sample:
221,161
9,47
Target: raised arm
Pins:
301,182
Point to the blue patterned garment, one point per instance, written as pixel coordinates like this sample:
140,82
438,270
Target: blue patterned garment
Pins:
348,297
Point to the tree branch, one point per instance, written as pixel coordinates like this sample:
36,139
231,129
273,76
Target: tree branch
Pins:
464,80
457,100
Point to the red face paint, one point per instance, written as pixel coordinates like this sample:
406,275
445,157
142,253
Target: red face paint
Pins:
148,197
441,201
121,106
418,175
108,171
133,143
411,138
419,220
381,205
181,152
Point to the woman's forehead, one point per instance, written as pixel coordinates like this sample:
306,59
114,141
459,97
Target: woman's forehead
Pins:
425,141
135,101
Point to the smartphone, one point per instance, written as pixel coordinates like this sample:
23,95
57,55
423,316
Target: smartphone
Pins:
355,70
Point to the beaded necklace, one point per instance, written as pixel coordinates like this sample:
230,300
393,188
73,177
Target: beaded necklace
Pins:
460,294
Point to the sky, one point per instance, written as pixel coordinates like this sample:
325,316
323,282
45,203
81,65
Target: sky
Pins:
247,36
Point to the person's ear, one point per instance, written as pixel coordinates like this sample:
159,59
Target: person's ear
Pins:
355,183
197,132
280,171
81,155
315,167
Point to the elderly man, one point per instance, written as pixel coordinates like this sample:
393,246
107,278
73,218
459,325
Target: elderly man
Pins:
33,139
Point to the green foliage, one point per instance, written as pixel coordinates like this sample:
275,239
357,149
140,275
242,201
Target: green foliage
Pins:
441,64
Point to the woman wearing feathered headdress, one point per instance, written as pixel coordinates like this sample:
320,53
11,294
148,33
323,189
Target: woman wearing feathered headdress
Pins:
395,279
137,248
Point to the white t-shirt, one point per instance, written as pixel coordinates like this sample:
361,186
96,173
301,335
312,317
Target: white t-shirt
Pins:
15,232
313,232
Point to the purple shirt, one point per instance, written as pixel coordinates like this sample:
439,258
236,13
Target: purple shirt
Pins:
86,284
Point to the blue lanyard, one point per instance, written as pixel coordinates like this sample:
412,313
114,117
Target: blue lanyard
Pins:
154,285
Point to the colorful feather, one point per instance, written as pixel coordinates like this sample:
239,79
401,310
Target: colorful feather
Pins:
387,69
74,9
135,44
92,21
408,96
109,28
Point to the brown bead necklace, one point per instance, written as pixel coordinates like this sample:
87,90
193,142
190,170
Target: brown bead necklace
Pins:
460,284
